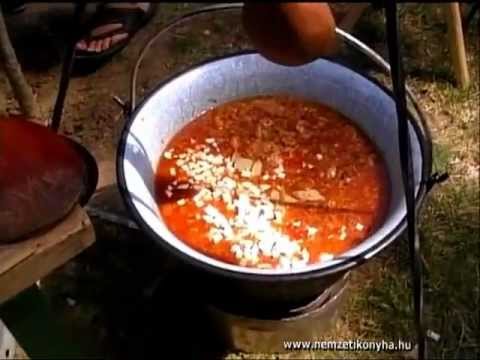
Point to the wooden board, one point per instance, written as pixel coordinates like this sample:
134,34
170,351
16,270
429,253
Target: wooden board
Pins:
23,263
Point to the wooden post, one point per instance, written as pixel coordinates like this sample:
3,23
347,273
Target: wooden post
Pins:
21,89
457,43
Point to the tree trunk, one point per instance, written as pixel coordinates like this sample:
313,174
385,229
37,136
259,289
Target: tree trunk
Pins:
21,89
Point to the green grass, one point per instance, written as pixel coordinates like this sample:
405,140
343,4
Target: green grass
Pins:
442,155
452,233
381,303
457,95
389,299
186,44
219,25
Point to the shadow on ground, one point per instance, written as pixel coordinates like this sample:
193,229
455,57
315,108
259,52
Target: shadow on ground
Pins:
133,300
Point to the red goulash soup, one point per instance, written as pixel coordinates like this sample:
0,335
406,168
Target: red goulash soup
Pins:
271,182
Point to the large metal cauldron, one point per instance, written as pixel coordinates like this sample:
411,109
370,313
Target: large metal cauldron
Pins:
179,99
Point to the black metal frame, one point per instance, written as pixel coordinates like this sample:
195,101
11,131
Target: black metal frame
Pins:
67,65
399,94
91,167
398,80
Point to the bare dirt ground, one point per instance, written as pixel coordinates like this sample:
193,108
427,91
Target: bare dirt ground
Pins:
119,292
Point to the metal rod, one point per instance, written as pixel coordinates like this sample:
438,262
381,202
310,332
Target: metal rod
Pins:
398,81
67,66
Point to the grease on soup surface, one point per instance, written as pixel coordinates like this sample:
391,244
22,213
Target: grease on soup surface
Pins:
271,182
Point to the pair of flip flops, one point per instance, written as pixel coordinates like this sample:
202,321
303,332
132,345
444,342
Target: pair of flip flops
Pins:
131,20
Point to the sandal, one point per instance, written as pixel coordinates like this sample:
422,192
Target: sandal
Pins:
129,20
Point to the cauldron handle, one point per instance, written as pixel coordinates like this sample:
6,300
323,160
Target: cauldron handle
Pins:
349,39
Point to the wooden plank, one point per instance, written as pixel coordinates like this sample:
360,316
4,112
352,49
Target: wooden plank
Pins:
22,264
457,43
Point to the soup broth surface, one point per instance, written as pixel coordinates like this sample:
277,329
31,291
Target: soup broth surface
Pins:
271,182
